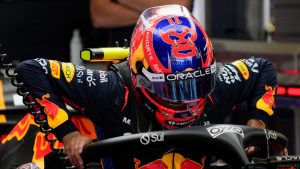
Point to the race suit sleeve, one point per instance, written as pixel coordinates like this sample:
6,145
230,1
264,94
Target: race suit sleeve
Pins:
253,80
53,84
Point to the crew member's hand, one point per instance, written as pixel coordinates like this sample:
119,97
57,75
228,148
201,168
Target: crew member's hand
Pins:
73,146
252,149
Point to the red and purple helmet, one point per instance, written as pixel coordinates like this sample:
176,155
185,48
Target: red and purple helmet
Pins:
172,65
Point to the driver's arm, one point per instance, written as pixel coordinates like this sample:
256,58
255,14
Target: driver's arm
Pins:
53,84
257,84
252,80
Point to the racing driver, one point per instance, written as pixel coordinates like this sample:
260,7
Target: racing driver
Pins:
170,80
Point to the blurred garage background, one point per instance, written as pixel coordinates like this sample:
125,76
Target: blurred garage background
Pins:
237,28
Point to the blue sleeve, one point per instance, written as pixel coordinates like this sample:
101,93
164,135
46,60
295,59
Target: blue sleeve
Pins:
54,84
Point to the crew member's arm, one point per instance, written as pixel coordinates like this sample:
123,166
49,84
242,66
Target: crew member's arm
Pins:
141,5
108,14
112,14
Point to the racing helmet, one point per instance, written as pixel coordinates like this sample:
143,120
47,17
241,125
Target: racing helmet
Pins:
172,65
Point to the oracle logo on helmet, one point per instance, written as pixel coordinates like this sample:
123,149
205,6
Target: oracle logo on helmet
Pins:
189,75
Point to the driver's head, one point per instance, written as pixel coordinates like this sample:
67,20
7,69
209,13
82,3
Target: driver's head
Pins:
172,65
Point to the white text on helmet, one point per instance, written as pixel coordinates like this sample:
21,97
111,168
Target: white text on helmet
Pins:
189,75
148,48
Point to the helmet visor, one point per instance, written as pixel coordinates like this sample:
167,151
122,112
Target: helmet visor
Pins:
179,87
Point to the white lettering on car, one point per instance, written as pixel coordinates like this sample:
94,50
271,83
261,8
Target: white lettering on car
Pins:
288,158
270,134
216,131
148,138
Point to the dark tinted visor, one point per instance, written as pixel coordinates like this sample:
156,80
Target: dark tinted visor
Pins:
180,87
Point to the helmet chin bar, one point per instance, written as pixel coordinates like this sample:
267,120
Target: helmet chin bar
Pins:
172,123
173,118
182,122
